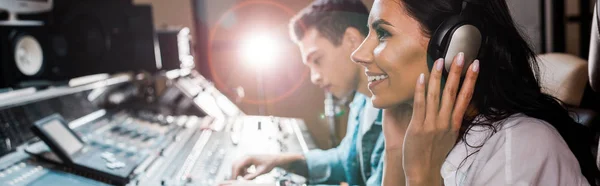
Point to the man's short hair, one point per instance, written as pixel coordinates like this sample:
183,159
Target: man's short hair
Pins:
331,18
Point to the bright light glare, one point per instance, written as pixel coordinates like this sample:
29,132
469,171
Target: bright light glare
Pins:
260,50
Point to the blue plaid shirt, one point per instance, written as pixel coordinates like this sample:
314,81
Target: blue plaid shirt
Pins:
358,159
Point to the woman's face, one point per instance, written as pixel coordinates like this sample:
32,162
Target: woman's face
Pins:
394,54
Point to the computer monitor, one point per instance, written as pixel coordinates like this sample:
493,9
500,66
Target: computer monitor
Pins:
14,7
55,132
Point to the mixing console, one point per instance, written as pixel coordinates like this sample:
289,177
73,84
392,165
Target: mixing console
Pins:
18,169
189,134
209,156
138,134
16,121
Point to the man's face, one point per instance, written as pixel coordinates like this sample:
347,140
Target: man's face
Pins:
330,66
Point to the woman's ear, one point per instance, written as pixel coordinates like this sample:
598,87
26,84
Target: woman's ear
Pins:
352,38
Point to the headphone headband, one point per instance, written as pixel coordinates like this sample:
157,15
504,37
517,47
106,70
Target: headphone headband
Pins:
476,2
471,7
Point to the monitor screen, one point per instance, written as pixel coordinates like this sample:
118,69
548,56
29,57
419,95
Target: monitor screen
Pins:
61,135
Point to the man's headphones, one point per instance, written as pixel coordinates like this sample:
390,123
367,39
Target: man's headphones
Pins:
459,33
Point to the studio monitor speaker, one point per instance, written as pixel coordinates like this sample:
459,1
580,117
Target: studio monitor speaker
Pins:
79,38
26,56
105,36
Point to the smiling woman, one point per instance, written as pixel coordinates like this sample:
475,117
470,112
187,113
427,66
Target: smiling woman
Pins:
492,126
397,52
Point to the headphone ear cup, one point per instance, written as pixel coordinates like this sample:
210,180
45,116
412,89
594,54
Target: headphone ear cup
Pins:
437,46
457,34
466,38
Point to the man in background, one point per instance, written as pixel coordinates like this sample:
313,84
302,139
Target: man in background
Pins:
327,32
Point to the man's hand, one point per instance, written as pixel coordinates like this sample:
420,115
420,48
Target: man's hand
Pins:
244,183
263,164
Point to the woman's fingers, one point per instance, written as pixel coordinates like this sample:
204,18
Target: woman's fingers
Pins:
465,95
453,104
418,115
451,87
433,90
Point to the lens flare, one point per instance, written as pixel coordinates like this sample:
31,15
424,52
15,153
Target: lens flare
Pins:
260,51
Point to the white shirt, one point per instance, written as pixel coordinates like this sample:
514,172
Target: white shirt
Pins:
524,151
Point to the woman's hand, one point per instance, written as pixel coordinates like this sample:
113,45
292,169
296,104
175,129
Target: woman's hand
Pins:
434,127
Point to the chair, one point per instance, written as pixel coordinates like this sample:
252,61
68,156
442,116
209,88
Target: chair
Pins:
565,77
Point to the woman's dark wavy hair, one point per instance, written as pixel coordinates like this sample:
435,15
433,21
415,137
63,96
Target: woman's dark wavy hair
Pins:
508,80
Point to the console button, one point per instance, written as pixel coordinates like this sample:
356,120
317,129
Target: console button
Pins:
115,165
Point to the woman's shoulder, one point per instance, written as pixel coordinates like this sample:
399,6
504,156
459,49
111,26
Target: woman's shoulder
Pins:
524,138
522,132
527,150
517,127
530,141
531,130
